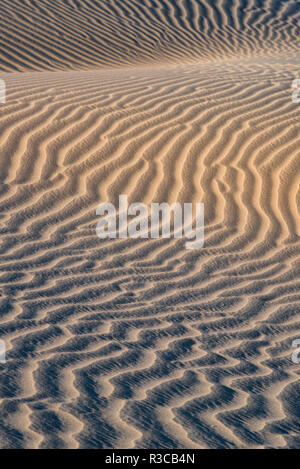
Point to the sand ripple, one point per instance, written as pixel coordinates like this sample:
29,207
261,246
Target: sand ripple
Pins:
76,34
141,343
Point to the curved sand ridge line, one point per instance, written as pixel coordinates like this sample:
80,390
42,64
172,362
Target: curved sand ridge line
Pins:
140,343
85,34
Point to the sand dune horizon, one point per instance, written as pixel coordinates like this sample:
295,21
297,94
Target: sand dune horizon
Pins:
140,343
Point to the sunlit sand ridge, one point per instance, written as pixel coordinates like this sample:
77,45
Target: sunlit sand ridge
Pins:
140,343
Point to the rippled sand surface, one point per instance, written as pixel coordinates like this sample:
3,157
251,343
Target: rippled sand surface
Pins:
135,343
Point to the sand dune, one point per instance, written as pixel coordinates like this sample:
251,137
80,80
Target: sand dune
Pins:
80,34
141,343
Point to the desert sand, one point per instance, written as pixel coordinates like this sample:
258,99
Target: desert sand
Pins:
134,343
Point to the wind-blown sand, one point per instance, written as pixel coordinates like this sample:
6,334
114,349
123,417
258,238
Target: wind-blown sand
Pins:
142,343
